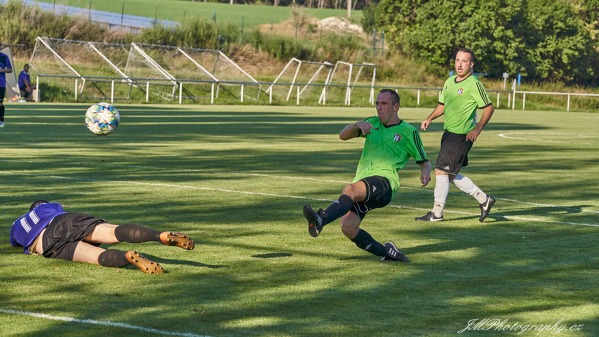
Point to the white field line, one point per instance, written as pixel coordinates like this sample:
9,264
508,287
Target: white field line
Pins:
94,322
309,198
528,136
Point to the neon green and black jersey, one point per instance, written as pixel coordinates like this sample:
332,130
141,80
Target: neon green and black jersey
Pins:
461,99
387,150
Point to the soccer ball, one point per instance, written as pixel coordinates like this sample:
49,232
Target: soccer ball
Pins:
102,119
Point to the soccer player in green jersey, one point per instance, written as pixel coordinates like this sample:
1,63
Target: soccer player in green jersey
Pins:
389,144
462,94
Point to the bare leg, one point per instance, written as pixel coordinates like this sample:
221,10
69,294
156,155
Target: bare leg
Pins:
103,233
87,253
110,233
350,224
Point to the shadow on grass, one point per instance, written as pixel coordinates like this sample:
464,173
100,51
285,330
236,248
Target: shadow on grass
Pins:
274,282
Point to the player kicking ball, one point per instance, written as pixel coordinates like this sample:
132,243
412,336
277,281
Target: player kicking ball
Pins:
389,144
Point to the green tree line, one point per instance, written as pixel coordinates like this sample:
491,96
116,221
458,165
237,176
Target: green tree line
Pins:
543,40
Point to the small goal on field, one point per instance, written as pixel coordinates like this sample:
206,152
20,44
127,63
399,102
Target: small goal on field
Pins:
89,69
324,82
101,71
351,81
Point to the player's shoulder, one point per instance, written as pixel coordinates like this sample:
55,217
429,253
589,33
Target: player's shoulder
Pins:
373,120
404,128
407,127
451,79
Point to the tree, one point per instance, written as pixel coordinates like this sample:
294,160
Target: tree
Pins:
541,39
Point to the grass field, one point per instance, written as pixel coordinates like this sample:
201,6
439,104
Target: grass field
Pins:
177,10
235,178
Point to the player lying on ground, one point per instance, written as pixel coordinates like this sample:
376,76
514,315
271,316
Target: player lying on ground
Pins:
47,229
390,142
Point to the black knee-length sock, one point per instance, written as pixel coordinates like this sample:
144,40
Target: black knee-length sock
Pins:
135,233
337,209
113,258
365,241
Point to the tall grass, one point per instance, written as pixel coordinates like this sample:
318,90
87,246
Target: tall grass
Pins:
21,24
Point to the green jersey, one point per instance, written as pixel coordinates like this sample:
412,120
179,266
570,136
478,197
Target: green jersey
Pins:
387,150
461,99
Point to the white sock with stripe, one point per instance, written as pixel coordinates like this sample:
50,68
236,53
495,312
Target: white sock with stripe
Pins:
465,184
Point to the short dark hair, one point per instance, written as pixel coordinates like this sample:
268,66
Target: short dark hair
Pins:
466,50
37,203
394,95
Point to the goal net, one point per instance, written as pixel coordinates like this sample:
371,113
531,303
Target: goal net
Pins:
203,75
350,82
89,70
301,81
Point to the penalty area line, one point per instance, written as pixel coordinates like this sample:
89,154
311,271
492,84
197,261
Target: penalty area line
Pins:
94,322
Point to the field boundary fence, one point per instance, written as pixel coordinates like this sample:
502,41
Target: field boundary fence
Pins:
233,92
568,96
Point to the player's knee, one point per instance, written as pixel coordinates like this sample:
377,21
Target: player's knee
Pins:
350,230
352,190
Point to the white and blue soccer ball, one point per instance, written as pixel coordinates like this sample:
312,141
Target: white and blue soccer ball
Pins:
102,119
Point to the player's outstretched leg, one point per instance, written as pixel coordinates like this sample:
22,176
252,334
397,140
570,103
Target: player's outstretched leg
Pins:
144,264
177,239
314,220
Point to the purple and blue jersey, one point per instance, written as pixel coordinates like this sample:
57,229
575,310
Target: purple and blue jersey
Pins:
4,63
26,228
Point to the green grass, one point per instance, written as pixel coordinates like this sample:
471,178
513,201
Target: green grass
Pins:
177,10
235,178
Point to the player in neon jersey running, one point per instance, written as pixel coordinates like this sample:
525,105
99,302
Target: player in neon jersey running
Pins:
389,144
462,95
48,230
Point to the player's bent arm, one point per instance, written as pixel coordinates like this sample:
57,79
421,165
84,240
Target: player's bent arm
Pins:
485,118
355,130
437,112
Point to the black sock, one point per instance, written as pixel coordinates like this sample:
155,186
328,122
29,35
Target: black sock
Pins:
135,233
113,258
337,209
365,241
2,113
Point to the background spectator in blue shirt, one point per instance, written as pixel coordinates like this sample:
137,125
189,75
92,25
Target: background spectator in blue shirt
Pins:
24,82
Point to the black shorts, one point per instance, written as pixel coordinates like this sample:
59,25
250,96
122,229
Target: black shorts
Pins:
454,153
378,195
66,231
